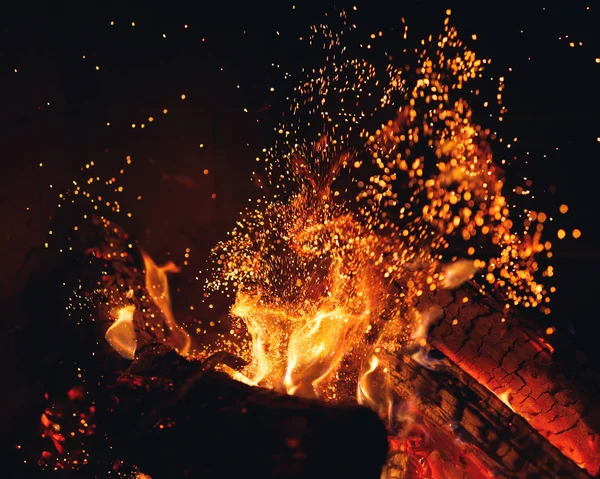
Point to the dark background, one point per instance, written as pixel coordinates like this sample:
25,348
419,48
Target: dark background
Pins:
56,105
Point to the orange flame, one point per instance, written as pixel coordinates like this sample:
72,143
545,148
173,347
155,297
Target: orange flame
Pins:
455,274
319,282
363,393
157,286
297,350
121,334
505,398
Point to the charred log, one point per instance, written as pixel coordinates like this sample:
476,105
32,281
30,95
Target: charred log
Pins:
460,414
177,418
513,361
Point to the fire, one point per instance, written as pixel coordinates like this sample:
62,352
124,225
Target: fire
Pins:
327,276
157,286
328,273
458,272
390,203
363,394
505,398
322,281
121,334
313,310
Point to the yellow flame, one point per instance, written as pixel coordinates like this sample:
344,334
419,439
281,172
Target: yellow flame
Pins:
121,334
310,309
157,286
267,336
505,398
315,350
455,274
363,393
295,350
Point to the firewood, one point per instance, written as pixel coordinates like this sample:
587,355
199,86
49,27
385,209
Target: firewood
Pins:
177,418
210,435
457,412
507,356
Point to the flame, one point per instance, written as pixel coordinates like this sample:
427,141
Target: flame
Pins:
121,334
363,394
455,274
426,318
425,360
309,293
295,350
157,286
323,284
505,398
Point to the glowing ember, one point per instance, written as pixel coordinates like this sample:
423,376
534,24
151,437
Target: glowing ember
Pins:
67,424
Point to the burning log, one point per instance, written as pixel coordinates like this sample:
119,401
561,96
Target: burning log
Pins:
470,429
519,366
178,418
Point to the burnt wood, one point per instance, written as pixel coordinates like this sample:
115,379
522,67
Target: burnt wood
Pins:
549,387
454,406
175,418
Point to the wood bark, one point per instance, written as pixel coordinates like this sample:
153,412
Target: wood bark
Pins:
460,414
546,387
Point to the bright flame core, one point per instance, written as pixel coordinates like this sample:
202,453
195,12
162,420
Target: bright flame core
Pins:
121,335
311,310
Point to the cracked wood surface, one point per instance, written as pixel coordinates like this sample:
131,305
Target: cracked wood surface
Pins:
471,418
514,362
